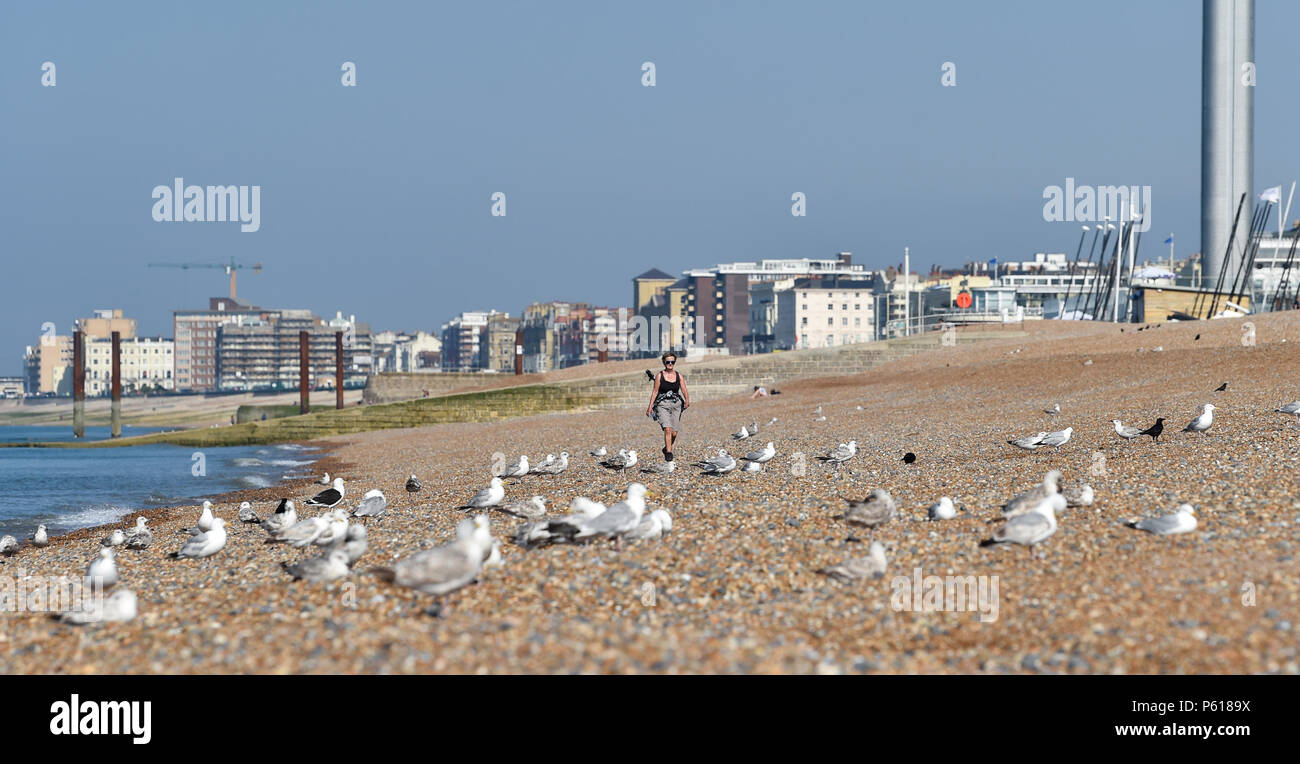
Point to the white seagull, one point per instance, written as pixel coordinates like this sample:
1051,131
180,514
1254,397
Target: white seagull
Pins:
873,565
488,497
1127,433
518,469
103,569
598,452
718,465
284,517
1029,442
652,526
841,453
373,504
205,544
1183,520
246,513
1058,438
620,461
8,545
115,608
140,537
762,455
1029,500
1032,527
330,566
1203,421
447,568
328,498
742,434
116,538
41,538
205,520
943,509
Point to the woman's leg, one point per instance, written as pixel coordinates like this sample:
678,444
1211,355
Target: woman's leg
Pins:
668,439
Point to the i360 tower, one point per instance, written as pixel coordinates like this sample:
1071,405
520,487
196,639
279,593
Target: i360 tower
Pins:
1227,129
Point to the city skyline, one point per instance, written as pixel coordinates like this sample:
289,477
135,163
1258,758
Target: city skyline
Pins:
377,199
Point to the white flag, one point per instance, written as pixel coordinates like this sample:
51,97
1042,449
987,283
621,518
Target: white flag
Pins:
1271,195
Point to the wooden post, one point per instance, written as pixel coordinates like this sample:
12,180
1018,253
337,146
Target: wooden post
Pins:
304,372
519,352
78,387
338,370
116,416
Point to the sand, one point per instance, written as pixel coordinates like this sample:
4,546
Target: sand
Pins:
734,587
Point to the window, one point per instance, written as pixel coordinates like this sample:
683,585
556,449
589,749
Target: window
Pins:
830,307
844,306
805,321
844,321
857,322
805,306
856,294
805,295
830,322
857,306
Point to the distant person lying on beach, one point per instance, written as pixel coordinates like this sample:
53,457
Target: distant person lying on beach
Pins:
759,392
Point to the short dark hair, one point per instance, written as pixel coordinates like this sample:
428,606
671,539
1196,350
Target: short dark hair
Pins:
667,355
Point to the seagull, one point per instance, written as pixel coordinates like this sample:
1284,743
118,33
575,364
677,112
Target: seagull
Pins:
555,467
413,484
1127,433
943,509
246,513
1035,525
742,434
8,545
518,469
1080,495
41,538
1290,408
1027,501
302,533
614,522
1203,421
873,565
1155,430
1058,438
598,452
652,526
1029,442
1054,410
718,465
817,411
373,504
116,538
542,465
1183,520
330,566
772,422
488,497
328,498
763,455
581,509
662,468
620,461
205,544
875,510
205,520
140,537
533,509
324,479
841,453
284,517
752,467
103,569
117,607
445,569
336,528
353,544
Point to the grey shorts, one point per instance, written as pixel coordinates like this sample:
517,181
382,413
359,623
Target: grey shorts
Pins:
668,412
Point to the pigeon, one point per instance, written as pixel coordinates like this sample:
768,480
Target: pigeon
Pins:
1221,388
762,455
301,534
1080,495
718,465
533,509
102,571
1155,429
875,510
246,513
1058,438
140,537
116,538
444,569
873,565
1029,442
413,484
620,461
652,526
1203,421
1127,433
841,453
117,607
328,498
205,544
1054,410
205,520
1183,520
598,452
488,497
41,538
1027,501
373,504
1032,527
284,517
518,469
742,434
330,566
943,509
8,545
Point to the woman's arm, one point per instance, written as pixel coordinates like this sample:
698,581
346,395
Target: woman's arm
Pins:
654,394
686,397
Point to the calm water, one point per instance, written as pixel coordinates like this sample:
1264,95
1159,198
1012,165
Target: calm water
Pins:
70,488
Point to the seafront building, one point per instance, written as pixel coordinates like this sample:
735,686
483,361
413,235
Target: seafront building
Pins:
264,354
147,365
195,333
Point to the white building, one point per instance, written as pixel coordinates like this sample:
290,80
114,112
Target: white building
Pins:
145,361
818,313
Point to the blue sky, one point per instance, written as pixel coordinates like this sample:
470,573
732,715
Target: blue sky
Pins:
376,199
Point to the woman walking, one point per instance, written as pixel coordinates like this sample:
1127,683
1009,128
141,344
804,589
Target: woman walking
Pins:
667,402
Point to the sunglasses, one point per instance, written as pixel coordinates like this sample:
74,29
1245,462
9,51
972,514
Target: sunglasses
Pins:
669,363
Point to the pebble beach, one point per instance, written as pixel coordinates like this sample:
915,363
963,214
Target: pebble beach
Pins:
734,587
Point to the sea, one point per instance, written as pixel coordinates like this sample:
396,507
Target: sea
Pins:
70,488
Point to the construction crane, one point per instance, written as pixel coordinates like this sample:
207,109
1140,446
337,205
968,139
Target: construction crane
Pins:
230,269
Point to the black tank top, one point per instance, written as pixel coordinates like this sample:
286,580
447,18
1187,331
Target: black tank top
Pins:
672,388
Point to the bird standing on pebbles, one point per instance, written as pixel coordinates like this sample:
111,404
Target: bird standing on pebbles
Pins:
1155,430
841,453
762,455
373,504
533,509
718,465
488,497
302,533
1054,410
1079,495
1203,421
205,520
663,468
1029,442
324,479
943,509
445,569
284,517
328,567
205,544
875,510
742,434
8,545
1031,499
1183,520
102,571
620,461
140,537
518,469
1034,526
652,526
116,538
853,569
41,538
598,452
246,513
1127,433
1058,438
330,497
